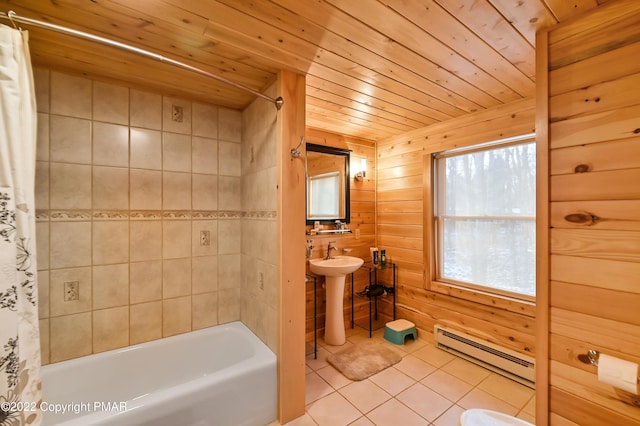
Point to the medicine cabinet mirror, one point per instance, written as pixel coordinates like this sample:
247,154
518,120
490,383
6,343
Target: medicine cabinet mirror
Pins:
327,184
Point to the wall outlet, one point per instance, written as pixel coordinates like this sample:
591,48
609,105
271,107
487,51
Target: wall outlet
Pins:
71,291
261,281
176,113
357,233
205,238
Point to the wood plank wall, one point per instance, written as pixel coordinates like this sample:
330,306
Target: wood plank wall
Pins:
403,202
362,194
594,203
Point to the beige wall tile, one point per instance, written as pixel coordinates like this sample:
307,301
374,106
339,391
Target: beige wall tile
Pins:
204,192
211,228
41,83
110,103
168,123
146,240
176,191
146,110
70,336
44,342
110,145
228,305
229,125
204,120
70,244
62,86
204,310
57,278
42,245
145,322
42,185
229,236
229,193
229,153
176,152
110,188
229,271
70,186
70,140
110,286
110,329
43,294
110,242
42,149
146,149
176,316
145,281
176,278
176,239
145,190
204,155
204,274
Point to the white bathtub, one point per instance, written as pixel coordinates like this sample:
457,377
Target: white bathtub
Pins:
222,375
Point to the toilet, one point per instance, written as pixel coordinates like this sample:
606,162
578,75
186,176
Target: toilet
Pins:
481,417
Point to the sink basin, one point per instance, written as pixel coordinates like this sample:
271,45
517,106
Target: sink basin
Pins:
336,267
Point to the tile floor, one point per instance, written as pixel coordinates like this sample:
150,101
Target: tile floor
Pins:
428,387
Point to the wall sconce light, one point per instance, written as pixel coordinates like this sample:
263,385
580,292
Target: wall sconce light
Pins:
362,173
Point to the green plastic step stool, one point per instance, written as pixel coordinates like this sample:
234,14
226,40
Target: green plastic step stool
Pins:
396,331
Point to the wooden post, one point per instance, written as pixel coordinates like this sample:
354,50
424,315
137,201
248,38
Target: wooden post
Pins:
291,229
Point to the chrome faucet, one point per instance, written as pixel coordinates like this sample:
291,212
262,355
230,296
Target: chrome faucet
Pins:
329,248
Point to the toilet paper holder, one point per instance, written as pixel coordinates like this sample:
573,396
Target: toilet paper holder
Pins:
591,357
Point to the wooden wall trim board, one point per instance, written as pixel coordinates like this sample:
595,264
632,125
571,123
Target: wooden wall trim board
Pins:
593,247
542,229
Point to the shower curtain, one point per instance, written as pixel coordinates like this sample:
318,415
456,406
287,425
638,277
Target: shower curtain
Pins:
20,387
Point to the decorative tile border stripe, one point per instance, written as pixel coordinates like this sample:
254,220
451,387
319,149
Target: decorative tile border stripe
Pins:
88,215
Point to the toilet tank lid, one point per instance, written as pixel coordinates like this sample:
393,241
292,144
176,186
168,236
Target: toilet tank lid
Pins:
481,417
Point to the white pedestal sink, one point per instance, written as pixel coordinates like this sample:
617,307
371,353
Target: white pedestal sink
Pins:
335,271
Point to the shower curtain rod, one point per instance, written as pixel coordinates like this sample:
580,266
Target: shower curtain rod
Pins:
12,16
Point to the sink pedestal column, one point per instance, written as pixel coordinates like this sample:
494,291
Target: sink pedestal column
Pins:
334,333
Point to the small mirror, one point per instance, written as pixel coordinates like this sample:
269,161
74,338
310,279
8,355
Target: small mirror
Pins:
327,184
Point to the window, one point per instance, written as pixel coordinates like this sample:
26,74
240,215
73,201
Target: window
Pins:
323,196
485,203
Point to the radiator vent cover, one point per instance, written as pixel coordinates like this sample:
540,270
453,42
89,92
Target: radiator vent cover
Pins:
511,364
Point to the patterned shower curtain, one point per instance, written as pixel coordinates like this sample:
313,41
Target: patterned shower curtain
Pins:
20,386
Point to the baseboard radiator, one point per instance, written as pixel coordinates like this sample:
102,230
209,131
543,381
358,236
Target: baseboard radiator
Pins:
511,364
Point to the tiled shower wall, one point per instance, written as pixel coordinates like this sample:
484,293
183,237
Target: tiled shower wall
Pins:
259,225
138,200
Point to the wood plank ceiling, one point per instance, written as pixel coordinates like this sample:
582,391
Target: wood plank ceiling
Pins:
375,68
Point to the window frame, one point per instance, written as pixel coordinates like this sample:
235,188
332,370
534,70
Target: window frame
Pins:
517,302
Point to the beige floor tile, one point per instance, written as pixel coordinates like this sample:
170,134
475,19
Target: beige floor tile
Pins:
333,410
332,348
411,345
316,388
424,401
414,367
433,355
392,381
530,407
332,376
466,371
451,417
527,417
362,421
394,413
480,399
507,390
365,395
447,385
320,361
305,420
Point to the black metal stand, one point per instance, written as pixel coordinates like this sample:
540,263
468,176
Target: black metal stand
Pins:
373,270
315,315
